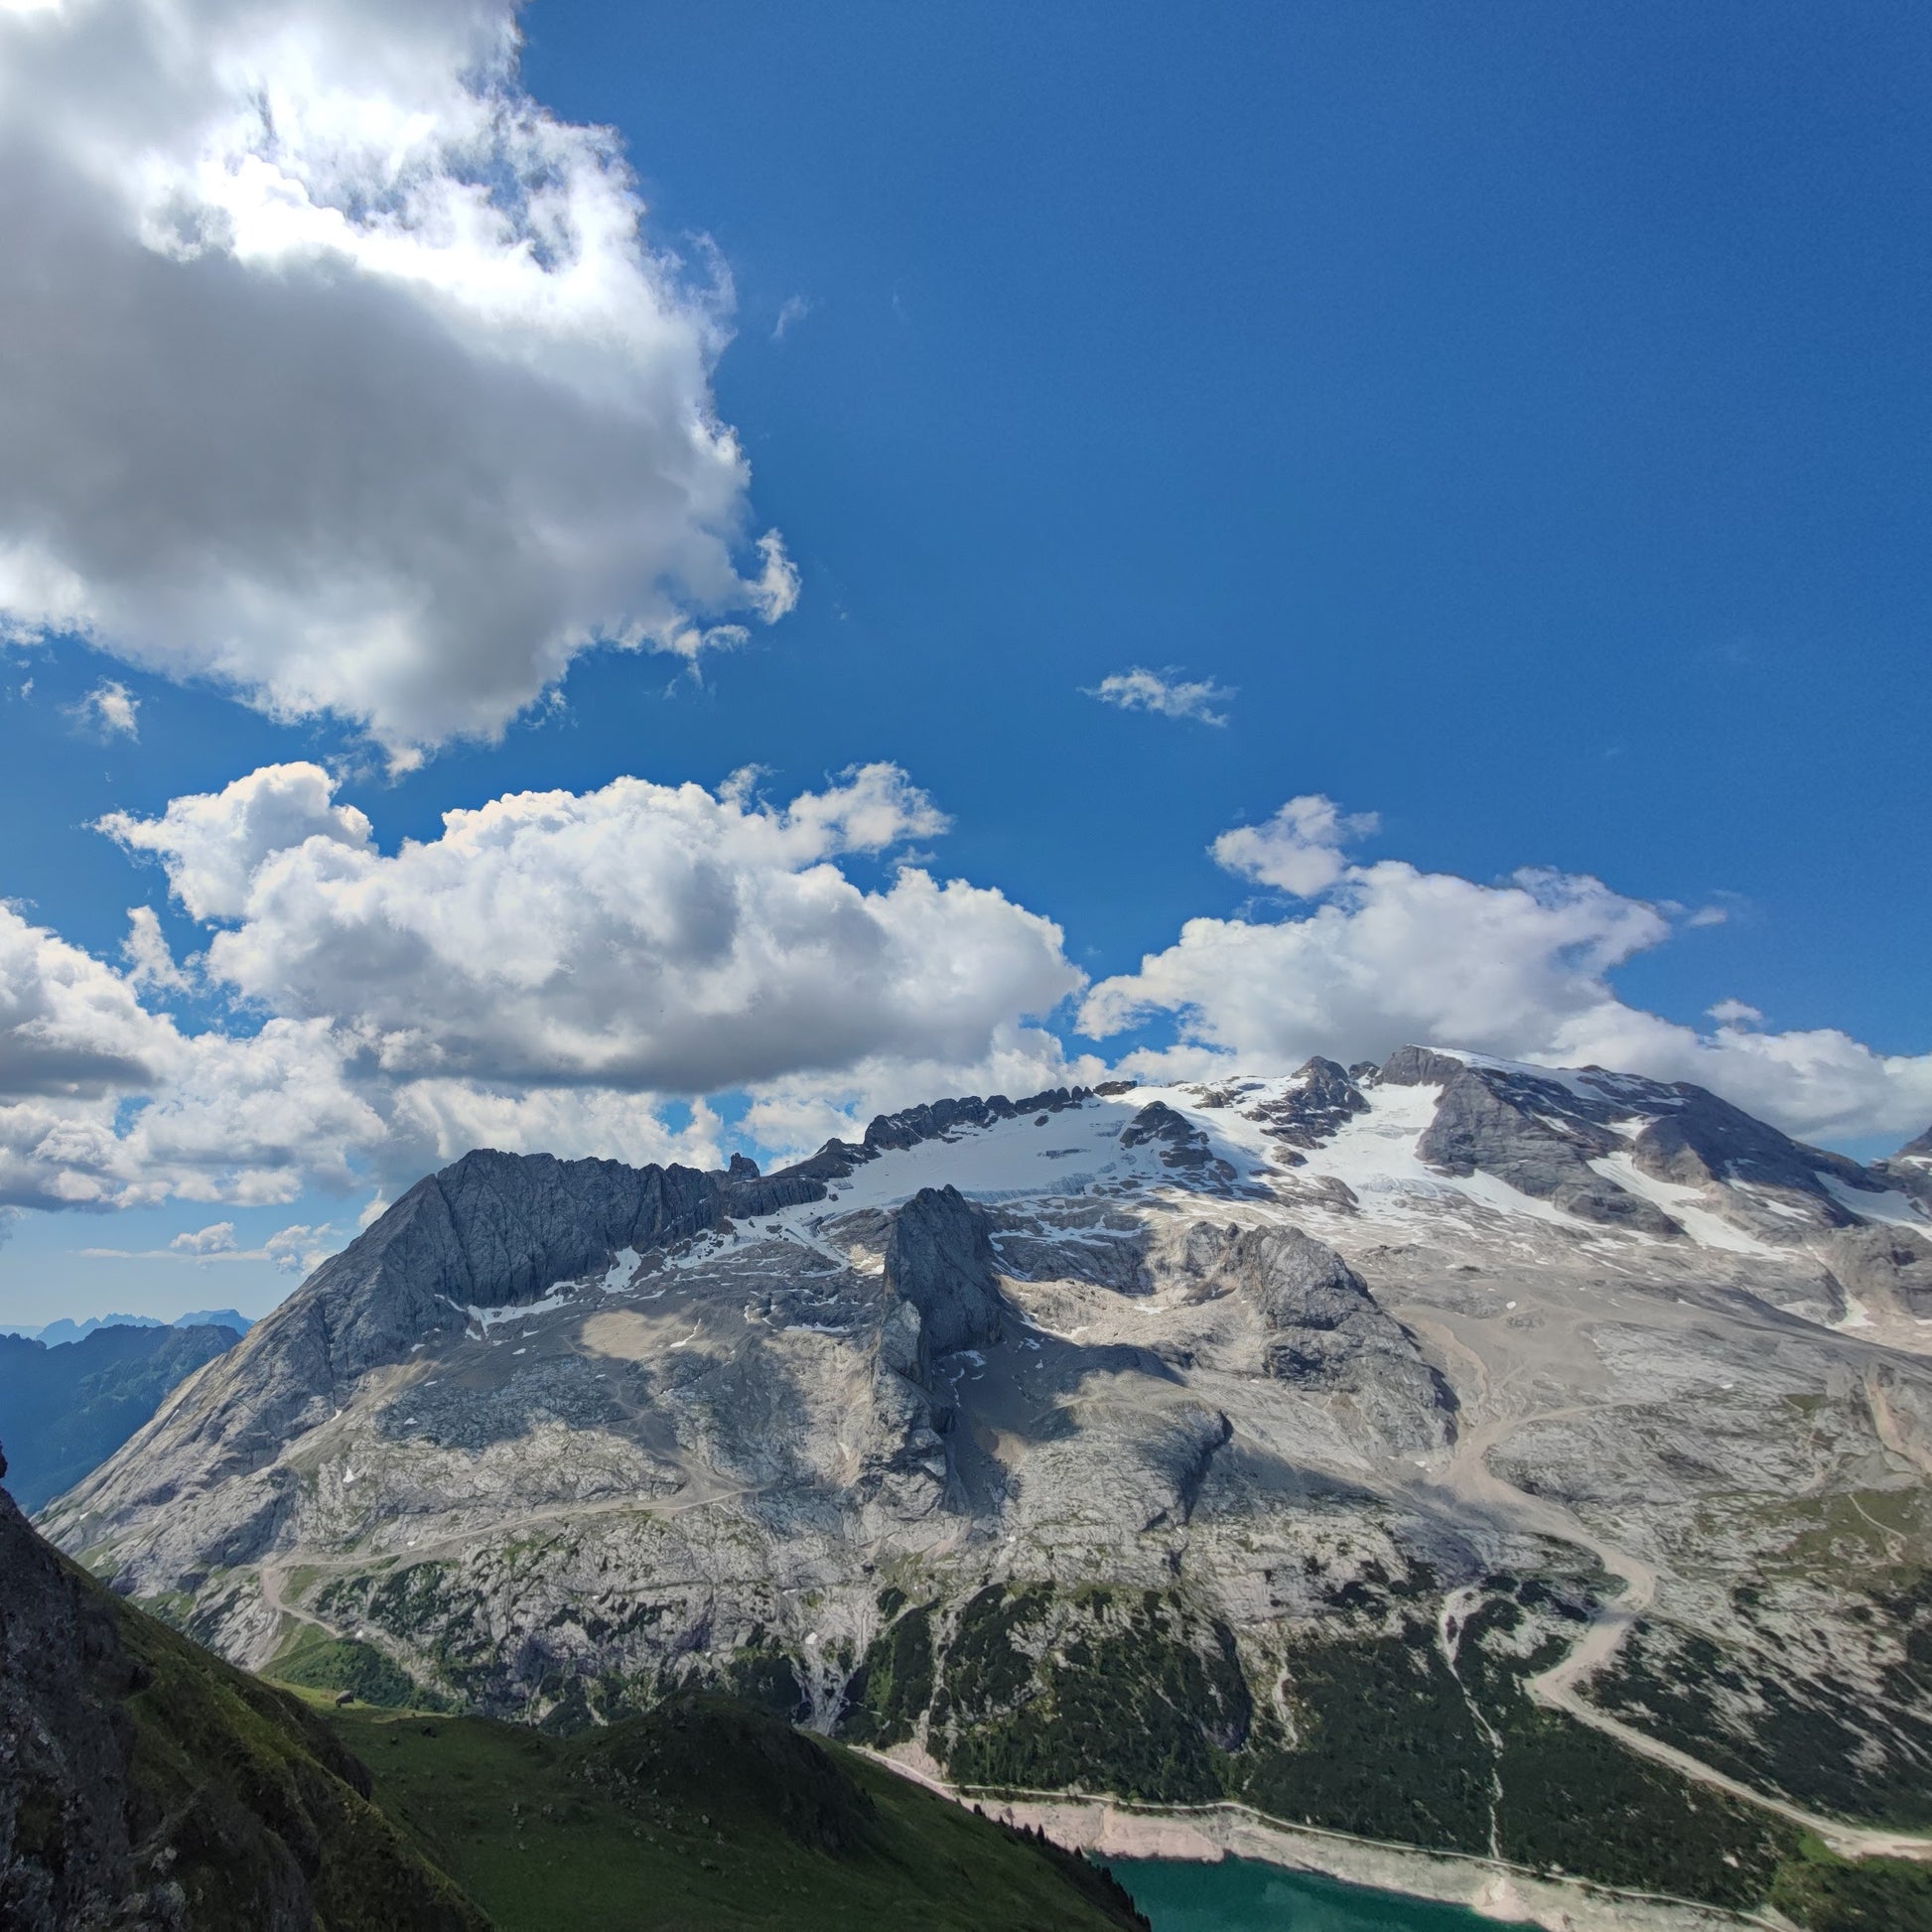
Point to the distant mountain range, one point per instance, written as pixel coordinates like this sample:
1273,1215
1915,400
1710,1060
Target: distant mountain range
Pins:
65,1407
56,1334
1508,1461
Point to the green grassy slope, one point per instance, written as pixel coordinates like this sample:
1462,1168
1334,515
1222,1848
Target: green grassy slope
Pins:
143,1780
708,1813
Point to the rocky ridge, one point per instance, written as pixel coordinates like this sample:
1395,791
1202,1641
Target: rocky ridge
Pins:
1140,1438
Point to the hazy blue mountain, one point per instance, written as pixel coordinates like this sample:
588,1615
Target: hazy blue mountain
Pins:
58,1333
65,1407
211,1319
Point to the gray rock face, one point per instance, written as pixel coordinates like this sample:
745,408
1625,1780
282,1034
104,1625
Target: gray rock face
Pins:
1910,1170
1890,1267
1086,1242
1705,1140
1184,1148
1540,1133
492,1231
1322,1328
1320,1102
939,1257
1523,1133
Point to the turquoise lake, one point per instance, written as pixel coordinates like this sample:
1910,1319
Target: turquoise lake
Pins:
1236,1896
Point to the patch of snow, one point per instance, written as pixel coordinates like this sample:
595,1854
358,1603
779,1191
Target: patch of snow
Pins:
1684,1206
621,1270
1892,1207
1374,1156
1003,1161
1770,1201
558,1297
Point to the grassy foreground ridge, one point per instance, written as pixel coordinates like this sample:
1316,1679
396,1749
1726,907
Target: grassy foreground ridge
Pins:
145,1783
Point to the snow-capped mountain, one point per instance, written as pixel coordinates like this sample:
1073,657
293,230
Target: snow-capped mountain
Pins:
1573,1426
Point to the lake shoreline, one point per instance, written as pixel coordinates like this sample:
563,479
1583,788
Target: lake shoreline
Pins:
1112,1827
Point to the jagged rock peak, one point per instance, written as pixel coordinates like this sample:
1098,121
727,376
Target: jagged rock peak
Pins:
1319,1101
939,1257
928,1122
1550,1132
1185,1148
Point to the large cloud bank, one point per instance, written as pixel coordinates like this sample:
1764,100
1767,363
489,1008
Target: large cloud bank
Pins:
1382,953
544,974
643,937
336,369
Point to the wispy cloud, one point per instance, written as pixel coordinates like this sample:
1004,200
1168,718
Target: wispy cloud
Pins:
111,709
294,1250
1165,692
791,311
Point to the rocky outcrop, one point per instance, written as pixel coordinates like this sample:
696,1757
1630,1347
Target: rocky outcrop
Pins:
1888,1268
939,1261
942,1117
1183,1148
1536,1135
1321,1329
942,1295
1320,1102
1540,1133
1910,1170
1706,1141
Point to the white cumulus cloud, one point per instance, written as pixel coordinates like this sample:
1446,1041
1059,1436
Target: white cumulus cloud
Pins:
642,937
341,372
150,961
212,842
215,1239
547,973
1299,850
1166,693
1521,968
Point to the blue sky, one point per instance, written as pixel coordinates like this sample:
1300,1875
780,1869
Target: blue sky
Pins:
1518,416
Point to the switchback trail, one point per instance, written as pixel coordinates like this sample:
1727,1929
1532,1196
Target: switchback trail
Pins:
1469,1477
